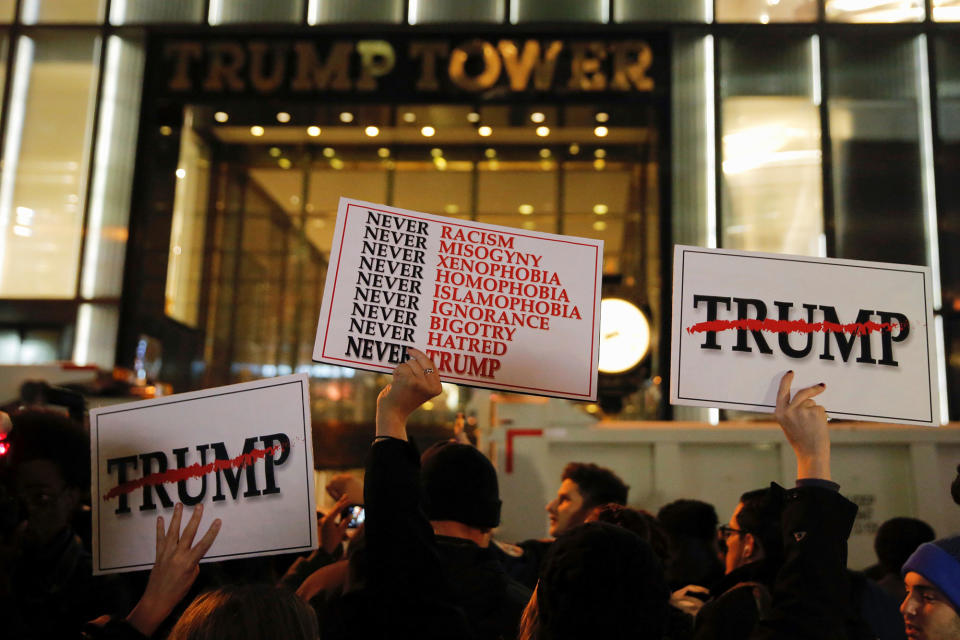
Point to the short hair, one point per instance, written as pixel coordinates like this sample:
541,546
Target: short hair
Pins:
45,434
639,522
597,485
689,518
247,612
760,516
898,538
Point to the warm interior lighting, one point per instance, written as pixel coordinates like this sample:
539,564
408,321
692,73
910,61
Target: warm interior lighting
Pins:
543,132
473,117
485,131
525,209
328,152
383,152
599,225
537,117
409,116
313,131
624,335
600,153
372,131
346,117
283,117
284,163
221,116
602,116
600,209
275,152
256,130
165,130
490,153
427,131
601,132
574,149
545,153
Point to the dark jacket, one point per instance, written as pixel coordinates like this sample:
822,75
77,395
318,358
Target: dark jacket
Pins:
742,596
523,560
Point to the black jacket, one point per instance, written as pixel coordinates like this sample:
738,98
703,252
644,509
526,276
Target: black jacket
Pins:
742,596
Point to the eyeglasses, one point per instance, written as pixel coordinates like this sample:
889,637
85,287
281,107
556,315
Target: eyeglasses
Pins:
725,531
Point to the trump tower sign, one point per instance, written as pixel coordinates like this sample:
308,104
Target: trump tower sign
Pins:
493,306
244,452
741,320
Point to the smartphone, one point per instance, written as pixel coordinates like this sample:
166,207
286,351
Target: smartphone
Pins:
356,515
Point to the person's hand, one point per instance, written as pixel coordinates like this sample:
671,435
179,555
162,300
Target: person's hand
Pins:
346,484
414,382
332,531
174,571
804,423
684,600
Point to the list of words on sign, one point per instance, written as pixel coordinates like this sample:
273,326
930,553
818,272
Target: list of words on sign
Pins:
485,290
386,299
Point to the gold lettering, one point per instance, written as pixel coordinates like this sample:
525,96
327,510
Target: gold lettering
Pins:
261,82
519,70
428,51
631,59
313,75
226,62
377,59
184,53
586,74
491,66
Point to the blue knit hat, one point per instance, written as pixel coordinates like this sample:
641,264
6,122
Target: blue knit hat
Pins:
939,562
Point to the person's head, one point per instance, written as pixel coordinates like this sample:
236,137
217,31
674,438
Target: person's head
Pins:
931,577
897,539
459,484
754,531
694,556
584,486
638,521
247,612
50,460
601,581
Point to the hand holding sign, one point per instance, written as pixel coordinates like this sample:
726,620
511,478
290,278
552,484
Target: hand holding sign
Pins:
804,423
414,382
175,570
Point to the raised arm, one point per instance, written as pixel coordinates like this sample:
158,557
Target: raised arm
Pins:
414,382
804,423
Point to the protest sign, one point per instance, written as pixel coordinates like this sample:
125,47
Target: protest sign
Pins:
244,452
743,319
493,306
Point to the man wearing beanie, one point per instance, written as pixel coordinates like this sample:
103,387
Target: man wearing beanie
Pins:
430,571
931,577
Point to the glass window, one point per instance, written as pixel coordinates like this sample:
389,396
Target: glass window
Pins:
227,11
144,11
765,11
876,152
558,11
946,10
42,184
875,10
456,11
34,11
948,189
96,338
433,191
654,10
324,11
772,181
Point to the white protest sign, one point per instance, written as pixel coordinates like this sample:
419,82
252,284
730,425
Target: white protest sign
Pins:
743,319
493,306
244,452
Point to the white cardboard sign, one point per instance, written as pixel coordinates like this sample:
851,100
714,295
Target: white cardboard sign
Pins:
742,319
493,306
148,456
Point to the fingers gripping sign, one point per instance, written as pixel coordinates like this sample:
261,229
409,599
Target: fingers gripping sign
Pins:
804,423
414,382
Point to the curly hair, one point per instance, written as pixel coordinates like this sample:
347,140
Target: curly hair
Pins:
597,485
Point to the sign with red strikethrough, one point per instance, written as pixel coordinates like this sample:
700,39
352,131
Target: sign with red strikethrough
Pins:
493,306
865,329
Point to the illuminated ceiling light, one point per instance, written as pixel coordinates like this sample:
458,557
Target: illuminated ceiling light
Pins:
256,130
600,209
599,225
525,209
313,131
372,131
165,130
181,173
275,152
494,164
574,149
485,131
337,164
602,116
543,132
624,335
451,209
283,117
600,153
221,116
773,3
601,132
537,117
284,163
383,152
409,116
764,18
427,131
441,163
546,165
436,152
473,117
346,117
490,153
545,153
599,164
328,152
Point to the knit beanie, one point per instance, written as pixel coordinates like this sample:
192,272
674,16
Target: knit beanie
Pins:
939,562
459,484
601,581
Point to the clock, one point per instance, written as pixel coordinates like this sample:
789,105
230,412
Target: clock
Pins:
624,335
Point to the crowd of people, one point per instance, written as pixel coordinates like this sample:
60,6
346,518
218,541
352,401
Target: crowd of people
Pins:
426,563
